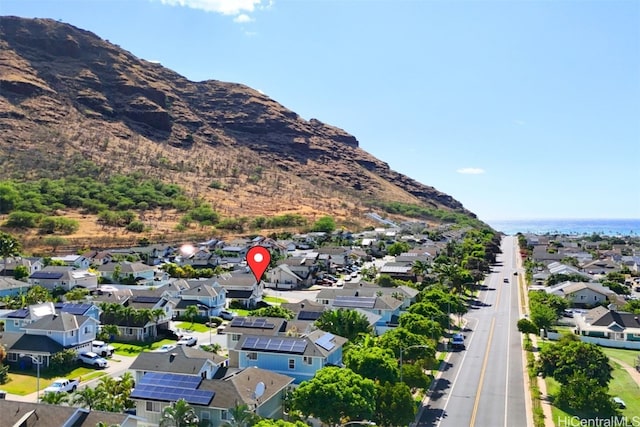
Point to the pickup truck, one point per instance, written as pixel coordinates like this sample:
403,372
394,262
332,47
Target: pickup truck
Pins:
102,348
62,384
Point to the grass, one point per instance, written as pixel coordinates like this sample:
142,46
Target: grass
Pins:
135,348
25,382
274,300
193,327
629,357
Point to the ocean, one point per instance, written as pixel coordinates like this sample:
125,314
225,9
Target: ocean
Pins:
603,227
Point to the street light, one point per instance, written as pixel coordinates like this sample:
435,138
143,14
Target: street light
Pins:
38,362
407,348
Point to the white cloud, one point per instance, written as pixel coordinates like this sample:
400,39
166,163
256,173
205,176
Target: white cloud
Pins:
471,171
242,18
226,7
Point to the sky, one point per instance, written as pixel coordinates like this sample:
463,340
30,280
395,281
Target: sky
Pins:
517,109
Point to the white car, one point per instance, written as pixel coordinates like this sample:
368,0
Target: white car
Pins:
227,315
188,341
164,348
91,358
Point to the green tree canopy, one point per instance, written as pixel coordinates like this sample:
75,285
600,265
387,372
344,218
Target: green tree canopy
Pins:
394,405
336,394
346,323
326,224
179,414
375,363
273,311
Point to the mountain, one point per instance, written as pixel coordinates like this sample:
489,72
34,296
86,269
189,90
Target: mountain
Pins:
68,97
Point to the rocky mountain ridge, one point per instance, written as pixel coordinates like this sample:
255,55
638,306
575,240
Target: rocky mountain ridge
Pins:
67,96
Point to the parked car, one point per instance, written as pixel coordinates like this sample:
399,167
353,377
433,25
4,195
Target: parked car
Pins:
62,385
188,341
505,280
93,359
227,315
164,348
102,348
567,313
458,341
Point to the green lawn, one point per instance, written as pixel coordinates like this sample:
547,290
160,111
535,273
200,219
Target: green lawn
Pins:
627,356
192,327
135,348
25,382
274,300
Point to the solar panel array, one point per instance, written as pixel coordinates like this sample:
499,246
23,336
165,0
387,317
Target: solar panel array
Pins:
146,299
171,380
276,345
357,302
309,315
325,341
172,394
245,322
76,309
19,314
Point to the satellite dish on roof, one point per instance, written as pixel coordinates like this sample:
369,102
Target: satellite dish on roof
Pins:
259,390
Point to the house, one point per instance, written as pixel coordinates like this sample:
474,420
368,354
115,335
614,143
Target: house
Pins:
607,323
207,295
32,264
76,261
297,269
283,277
398,270
11,287
180,360
406,294
298,357
41,332
582,294
212,400
239,326
601,267
134,327
98,257
29,414
67,278
242,287
139,272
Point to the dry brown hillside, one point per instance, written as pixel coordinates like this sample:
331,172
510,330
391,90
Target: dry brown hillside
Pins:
67,96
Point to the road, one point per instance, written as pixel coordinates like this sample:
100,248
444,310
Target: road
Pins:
483,385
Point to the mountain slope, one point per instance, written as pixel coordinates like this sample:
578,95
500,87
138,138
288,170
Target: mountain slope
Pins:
67,96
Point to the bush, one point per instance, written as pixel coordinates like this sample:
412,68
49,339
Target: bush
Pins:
63,360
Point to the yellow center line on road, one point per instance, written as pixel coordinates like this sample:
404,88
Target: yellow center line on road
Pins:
484,367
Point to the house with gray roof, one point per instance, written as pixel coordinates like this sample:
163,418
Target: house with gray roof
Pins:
12,287
67,278
611,325
582,294
29,414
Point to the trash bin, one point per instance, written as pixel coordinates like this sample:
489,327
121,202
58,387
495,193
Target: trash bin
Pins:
3,394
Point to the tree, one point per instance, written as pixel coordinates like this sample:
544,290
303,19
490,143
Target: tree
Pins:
76,294
241,416
179,414
87,397
567,358
191,312
157,314
335,394
20,272
53,398
346,323
108,331
420,325
375,363
526,326
55,242
394,405
400,338
9,247
584,394
278,423
325,224
543,316
397,248
430,311
413,376
273,311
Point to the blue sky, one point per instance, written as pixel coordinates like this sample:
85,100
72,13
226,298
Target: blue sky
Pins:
518,109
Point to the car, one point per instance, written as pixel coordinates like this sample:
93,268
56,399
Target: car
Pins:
164,348
619,402
227,315
102,348
457,341
567,313
189,341
505,280
93,359
515,273
62,385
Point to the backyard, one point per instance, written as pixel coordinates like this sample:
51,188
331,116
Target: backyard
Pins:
25,382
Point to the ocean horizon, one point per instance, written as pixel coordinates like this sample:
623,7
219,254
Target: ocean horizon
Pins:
604,227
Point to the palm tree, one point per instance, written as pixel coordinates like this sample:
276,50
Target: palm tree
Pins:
9,247
241,416
191,312
53,398
87,397
179,414
157,314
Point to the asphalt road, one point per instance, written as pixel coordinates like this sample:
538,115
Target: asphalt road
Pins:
483,386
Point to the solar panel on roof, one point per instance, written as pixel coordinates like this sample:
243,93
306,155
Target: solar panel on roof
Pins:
146,299
171,380
259,323
276,345
77,309
19,314
358,302
325,341
309,315
172,394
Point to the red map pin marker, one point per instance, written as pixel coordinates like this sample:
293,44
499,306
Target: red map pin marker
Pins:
258,258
